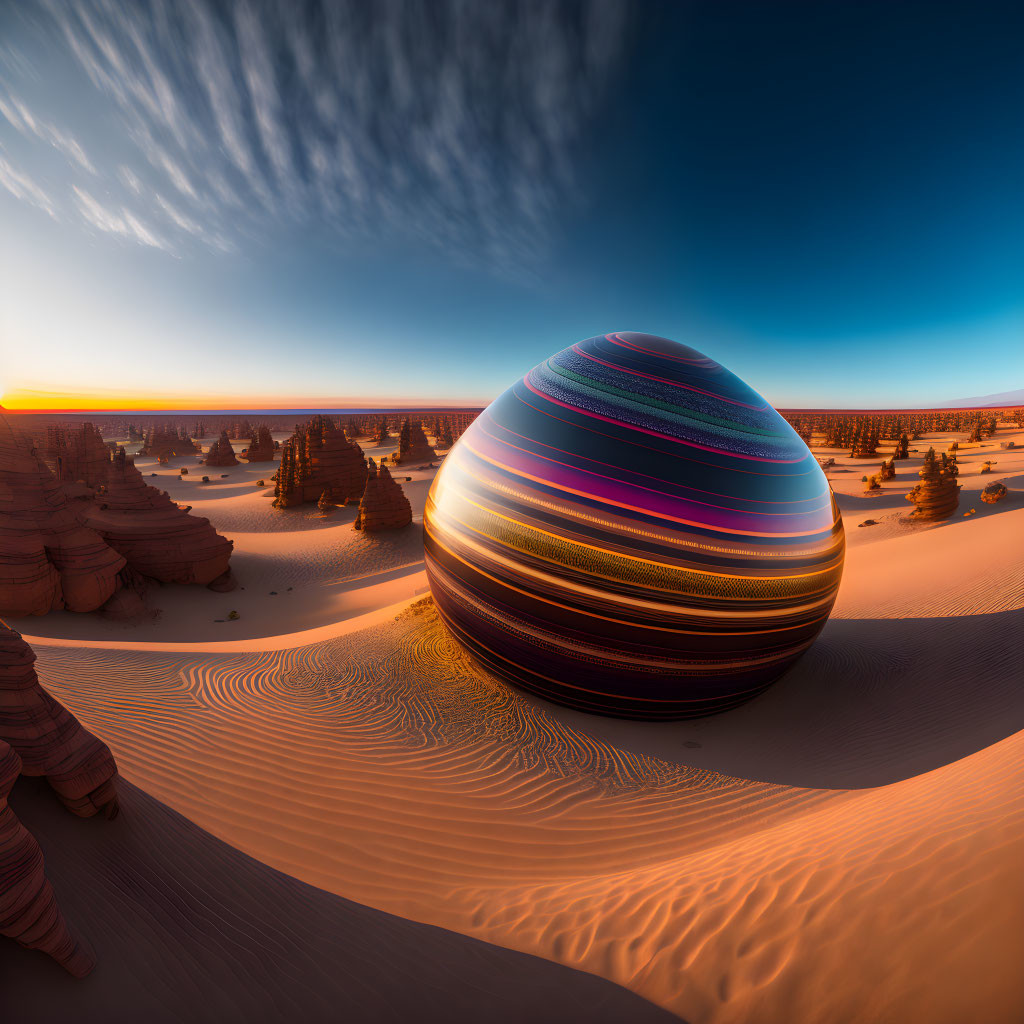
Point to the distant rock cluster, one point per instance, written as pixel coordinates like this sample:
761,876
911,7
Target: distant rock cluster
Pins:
413,445
73,545
164,443
317,460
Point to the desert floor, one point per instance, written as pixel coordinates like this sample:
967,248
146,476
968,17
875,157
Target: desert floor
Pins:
845,847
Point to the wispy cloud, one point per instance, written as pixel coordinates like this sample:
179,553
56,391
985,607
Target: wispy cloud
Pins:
453,123
119,221
22,187
20,117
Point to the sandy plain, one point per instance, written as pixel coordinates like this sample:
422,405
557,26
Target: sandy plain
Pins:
844,847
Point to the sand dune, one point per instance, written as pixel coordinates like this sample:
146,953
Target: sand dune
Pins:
738,868
188,929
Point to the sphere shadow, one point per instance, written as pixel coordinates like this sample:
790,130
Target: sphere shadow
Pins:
873,702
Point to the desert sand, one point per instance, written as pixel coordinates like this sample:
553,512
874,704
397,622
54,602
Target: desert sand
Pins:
187,928
844,847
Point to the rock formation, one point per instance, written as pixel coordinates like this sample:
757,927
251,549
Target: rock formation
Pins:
163,444
938,493
49,739
77,454
221,453
239,430
38,736
156,537
383,505
128,603
261,447
28,906
48,559
888,470
902,450
382,436
864,443
412,445
318,459
994,492
444,435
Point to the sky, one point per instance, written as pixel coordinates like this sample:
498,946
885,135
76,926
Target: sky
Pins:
296,205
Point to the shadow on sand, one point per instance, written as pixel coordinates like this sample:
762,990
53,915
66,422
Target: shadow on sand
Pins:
874,701
186,928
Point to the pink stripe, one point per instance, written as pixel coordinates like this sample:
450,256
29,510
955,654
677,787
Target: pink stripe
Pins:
605,489
664,380
502,439
653,433
617,339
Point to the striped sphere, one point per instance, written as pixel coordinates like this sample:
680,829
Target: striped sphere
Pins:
631,530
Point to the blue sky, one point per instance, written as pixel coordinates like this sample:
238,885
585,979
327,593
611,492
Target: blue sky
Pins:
307,204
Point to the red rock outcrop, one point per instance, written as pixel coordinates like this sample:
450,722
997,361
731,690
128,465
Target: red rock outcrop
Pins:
261,447
77,454
50,741
48,559
412,445
38,736
221,453
938,493
319,460
444,437
384,505
28,906
164,443
129,601
158,539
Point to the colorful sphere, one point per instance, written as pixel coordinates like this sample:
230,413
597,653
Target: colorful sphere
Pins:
632,530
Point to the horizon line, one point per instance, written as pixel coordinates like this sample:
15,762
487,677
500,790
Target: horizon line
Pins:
265,410
385,410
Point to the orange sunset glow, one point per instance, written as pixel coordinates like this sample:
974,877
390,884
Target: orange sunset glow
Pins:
26,400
